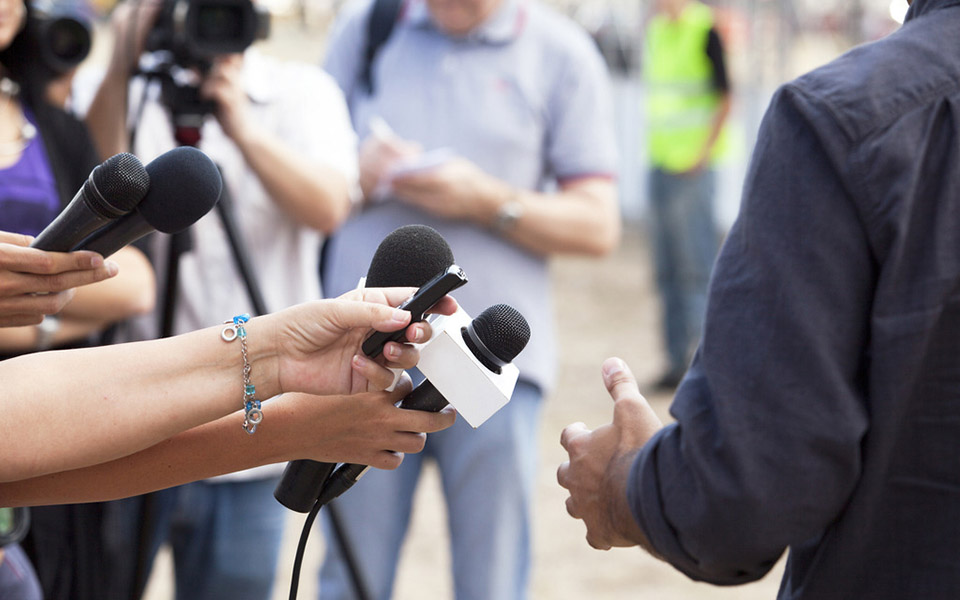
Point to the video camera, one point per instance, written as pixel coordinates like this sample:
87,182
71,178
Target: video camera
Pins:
189,35
63,37
197,31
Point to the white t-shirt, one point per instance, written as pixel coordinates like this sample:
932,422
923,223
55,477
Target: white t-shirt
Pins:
304,107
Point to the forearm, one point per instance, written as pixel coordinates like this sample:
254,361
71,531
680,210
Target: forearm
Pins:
77,408
315,195
205,451
582,218
107,116
132,292
17,340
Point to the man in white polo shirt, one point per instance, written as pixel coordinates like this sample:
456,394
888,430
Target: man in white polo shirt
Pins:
501,112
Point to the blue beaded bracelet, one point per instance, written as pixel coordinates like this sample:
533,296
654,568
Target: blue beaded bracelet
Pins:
252,415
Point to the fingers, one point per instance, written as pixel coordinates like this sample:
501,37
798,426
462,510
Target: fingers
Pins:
570,432
27,309
351,315
15,257
401,356
387,461
17,239
632,414
619,380
378,377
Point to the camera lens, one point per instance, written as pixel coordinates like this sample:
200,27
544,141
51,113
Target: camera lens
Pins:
219,24
66,42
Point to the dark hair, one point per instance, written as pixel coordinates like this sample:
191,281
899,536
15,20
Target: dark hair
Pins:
21,60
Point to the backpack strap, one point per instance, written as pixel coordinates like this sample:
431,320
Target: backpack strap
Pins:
382,19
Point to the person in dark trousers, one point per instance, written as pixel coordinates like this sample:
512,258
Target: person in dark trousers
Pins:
687,103
822,411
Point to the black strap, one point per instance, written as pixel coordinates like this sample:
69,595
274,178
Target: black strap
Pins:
382,19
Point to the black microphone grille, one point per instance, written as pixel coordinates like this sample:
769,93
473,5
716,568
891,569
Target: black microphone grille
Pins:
410,256
184,185
503,330
121,182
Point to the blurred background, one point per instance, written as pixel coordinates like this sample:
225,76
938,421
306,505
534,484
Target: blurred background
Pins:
768,42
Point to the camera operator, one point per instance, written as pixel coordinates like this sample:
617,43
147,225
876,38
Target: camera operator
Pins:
281,134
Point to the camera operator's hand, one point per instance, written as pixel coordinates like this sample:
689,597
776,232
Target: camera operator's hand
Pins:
34,283
224,86
131,21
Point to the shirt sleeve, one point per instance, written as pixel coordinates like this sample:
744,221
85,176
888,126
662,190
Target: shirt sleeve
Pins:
721,81
580,139
345,49
766,448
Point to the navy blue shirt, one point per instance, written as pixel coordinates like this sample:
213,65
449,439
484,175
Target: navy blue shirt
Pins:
822,412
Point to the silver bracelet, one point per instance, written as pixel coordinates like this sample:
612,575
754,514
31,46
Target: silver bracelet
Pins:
252,415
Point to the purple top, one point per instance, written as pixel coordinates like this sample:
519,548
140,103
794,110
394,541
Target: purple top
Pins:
28,191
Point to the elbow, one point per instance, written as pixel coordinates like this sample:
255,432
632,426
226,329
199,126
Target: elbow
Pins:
144,302
606,238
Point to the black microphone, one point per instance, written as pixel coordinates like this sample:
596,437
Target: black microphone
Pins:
112,190
184,185
495,338
410,256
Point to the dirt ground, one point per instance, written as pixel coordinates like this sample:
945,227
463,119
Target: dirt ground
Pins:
603,308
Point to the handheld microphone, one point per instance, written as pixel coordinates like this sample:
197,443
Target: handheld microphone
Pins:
112,190
494,339
411,255
184,185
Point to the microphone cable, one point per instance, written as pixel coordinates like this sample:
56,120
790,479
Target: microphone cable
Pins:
348,557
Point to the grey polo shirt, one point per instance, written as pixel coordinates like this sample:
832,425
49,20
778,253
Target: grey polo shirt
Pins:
525,97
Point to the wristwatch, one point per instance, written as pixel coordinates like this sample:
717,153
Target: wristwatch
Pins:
46,329
507,216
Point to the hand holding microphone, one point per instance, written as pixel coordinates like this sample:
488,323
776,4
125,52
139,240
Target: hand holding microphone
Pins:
35,283
112,190
184,186
410,256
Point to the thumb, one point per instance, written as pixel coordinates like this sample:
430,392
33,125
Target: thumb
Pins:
347,315
631,412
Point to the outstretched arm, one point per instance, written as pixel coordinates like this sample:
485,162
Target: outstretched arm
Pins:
77,408
365,428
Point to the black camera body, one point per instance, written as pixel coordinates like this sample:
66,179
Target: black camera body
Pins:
197,31
63,37
189,35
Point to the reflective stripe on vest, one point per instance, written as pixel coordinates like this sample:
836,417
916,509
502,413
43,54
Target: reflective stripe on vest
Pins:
681,99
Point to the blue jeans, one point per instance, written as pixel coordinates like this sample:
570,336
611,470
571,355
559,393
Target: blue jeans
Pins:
18,581
487,476
685,243
225,537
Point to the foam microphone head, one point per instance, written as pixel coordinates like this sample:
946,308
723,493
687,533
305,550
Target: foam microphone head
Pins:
497,335
410,256
184,185
119,184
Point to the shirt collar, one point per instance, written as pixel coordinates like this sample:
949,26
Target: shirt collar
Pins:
921,7
504,26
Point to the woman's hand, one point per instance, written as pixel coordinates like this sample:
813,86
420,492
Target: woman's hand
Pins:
317,345
365,429
34,283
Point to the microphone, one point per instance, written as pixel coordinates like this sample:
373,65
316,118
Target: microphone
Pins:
184,185
111,191
493,339
411,255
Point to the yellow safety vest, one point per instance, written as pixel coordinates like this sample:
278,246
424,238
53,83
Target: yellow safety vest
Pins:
681,99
